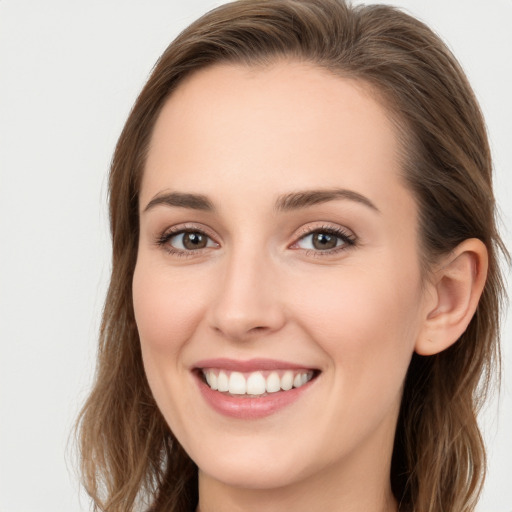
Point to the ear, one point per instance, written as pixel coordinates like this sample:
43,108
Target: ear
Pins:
455,288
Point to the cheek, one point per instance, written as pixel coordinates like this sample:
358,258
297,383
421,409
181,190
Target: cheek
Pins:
366,321
166,310
367,326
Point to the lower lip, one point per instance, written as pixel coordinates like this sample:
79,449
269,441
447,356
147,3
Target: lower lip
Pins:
247,408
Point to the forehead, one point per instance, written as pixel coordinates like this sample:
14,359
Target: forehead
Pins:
253,123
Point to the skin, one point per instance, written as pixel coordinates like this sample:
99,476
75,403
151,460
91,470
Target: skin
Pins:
243,137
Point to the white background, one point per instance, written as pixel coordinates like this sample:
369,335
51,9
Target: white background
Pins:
69,73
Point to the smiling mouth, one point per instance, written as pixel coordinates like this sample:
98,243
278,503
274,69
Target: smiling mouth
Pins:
257,383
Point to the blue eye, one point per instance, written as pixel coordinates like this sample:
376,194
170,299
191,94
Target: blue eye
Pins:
325,240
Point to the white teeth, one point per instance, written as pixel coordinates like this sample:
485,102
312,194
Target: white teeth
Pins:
211,378
222,382
256,384
297,381
273,383
237,384
287,380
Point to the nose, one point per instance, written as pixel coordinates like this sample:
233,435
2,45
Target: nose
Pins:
248,300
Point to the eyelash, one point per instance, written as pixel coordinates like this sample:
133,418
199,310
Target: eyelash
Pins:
163,240
349,240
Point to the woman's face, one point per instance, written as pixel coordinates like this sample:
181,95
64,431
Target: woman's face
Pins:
278,258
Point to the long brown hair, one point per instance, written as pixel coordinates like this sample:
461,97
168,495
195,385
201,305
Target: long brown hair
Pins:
130,458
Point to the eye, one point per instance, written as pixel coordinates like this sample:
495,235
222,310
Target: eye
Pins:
190,241
185,241
325,239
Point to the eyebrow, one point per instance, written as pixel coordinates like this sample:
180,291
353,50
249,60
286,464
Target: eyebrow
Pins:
181,200
285,203
303,199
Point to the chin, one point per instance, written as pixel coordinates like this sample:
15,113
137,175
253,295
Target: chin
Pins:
256,474
265,463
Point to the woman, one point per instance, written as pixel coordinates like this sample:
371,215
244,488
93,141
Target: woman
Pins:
305,291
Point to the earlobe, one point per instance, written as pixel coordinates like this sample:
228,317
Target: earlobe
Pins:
456,288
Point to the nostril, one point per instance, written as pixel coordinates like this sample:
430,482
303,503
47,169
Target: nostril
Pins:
258,329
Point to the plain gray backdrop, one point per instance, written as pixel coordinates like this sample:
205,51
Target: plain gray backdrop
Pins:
69,73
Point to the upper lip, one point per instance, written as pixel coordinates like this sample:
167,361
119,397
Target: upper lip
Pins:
250,365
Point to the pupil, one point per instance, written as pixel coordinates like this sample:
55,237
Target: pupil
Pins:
324,241
194,241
